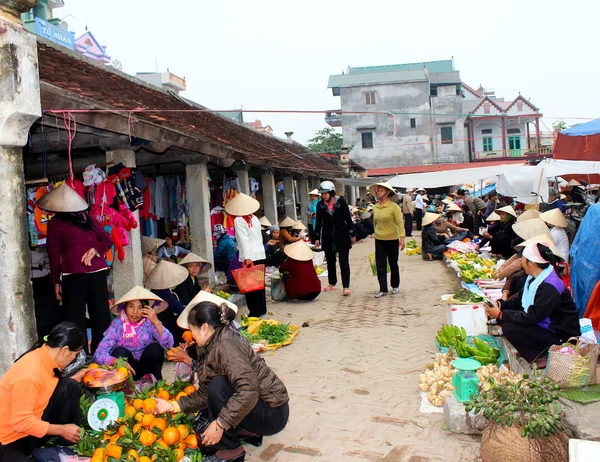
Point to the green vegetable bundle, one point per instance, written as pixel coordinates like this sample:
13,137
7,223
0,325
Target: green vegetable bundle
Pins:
449,335
274,333
412,244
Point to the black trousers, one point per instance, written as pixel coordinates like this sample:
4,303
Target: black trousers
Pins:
48,312
419,218
344,256
530,340
311,232
169,320
222,264
387,251
257,301
309,297
62,409
79,290
151,361
408,224
262,420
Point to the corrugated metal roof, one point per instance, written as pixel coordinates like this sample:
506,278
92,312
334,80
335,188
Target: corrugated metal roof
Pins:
446,65
347,80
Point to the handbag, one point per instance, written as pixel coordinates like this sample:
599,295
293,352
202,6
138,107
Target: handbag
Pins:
573,365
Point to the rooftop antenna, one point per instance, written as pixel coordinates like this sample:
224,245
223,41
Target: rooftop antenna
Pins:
156,62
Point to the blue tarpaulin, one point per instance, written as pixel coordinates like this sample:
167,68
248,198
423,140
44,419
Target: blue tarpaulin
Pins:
588,128
585,258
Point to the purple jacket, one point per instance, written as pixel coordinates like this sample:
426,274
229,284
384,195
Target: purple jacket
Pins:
67,243
146,334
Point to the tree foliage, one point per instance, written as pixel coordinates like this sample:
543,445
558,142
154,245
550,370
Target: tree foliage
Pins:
326,140
560,125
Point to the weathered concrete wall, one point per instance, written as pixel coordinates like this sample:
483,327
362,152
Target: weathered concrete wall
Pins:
19,108
410,146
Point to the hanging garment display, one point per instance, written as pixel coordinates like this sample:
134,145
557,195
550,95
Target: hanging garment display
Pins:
254,186
122,220
129,184
37,219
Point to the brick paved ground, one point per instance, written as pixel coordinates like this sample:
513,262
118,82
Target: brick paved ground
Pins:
352,375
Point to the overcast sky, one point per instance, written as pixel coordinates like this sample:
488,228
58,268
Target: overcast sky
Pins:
278,54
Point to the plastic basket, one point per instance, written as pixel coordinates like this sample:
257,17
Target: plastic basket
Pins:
250,279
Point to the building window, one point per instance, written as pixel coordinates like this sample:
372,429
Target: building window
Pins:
367,140
486,131
413,123
488,143
514,142
513,131
433,91
370,98
446,135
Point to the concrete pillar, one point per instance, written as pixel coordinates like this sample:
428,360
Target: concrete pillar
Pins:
129,272
351,196
19,107
269,197
303,197
289,194
199,205
242,174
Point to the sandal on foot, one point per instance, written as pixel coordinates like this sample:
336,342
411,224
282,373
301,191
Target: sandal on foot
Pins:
347,292
329,288
498,333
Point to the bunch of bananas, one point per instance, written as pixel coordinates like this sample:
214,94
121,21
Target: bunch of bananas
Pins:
482,352
449,336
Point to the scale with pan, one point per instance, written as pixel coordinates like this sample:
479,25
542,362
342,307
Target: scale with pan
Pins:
108,407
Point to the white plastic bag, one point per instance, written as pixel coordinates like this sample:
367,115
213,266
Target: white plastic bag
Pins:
587,331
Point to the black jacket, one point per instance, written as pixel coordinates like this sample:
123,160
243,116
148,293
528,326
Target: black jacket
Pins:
187,290
335,229
502,240
429,238
555,309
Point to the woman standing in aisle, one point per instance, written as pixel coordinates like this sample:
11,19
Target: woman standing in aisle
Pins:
250,243
335,231
389,236
312,214
76,247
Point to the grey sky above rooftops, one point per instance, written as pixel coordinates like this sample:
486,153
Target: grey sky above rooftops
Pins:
279,55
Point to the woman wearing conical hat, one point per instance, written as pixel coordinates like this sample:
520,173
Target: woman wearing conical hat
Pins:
502,241
137,334
76,247
189,288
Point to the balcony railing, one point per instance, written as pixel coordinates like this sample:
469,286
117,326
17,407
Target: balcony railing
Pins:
333,118
513,153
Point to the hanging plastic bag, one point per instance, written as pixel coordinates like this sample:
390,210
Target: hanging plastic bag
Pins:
373,264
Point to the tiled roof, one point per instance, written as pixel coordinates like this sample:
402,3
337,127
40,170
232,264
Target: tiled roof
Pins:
70,72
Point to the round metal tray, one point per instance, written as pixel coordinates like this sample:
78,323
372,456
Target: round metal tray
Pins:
108,388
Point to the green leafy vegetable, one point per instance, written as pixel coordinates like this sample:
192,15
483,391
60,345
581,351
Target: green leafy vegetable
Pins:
274,333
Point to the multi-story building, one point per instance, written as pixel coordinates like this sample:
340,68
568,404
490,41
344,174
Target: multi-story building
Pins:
401,115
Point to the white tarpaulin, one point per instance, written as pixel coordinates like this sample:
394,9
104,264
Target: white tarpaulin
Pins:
451,177
525,183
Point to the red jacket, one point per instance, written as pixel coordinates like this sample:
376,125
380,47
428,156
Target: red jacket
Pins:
67,243
303,278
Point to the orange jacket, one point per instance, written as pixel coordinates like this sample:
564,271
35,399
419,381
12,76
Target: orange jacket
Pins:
25,391
593,308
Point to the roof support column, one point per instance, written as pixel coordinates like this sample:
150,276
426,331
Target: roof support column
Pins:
19,108
351,196
199,206
242,174
129,272
289,195
537,135
504,153
269,197
302,183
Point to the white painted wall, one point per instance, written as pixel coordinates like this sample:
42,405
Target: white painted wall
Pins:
496,128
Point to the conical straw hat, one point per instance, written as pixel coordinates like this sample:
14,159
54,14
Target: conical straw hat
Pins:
299,226
264,222
544,239
493,217
448,201
529,215
287,223
314,192
242,205
554,217
389,187
203,296
531,228
299,251
62,199
573,183
508,209
149,263
150,243
193,258
166,275
430,218
454,208
139,293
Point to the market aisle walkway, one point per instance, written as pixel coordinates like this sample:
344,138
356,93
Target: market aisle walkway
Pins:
352,375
